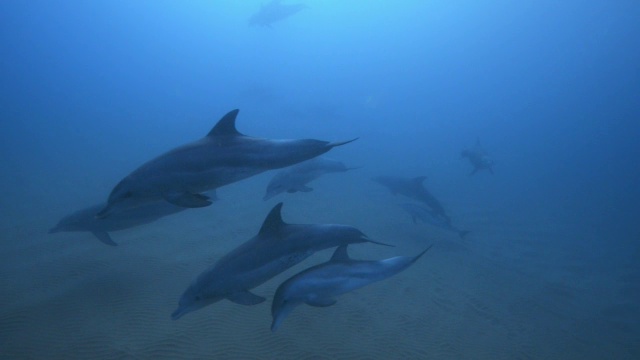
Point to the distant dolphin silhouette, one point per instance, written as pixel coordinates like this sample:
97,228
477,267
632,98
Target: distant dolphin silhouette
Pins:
295,178
419,212
414,189
277,247
222,157
321,284
85,219
478,158
274,11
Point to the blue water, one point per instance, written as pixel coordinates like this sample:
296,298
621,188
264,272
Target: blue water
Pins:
89,90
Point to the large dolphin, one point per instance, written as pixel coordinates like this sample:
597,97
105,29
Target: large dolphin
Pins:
277,247
319,285
222,157
419,212
85,219
295,178
478,158
274,11
414,189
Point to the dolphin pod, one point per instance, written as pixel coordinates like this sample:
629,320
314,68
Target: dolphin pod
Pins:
222,157
319,285
180,178
277,247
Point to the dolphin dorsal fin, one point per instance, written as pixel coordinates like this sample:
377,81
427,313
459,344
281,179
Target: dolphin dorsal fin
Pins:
273,222
341,254
226,125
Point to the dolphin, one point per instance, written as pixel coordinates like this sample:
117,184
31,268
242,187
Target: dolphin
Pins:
478,158
85,219
222,157
320,284
419,212
412,188
274,11
277,247
296,177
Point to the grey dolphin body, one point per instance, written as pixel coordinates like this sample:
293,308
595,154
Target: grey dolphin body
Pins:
319,285
295,178
478,158
419,212
274,11
412,188
222,157
277,247
85,219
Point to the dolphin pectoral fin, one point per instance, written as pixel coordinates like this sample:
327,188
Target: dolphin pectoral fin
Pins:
104,237
321,302
292,191
187,200
245,298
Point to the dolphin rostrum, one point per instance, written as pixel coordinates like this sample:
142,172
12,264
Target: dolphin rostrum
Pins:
295,178
222,157
320,284
478,158
85,219
419,212
412,188
277,247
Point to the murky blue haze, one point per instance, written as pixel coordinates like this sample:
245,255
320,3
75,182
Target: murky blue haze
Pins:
89,90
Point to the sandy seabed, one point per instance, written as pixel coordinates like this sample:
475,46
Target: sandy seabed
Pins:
497,295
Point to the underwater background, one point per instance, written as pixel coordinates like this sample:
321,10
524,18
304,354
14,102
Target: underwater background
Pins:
89,90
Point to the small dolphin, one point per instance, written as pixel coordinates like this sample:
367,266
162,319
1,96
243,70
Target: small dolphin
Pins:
413,188
419,212
222,157
274,11
296,177
319,285
277,247
478,158
85,219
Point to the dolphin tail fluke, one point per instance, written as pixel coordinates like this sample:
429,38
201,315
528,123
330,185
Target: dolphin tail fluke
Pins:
463,233
104,237
340,143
